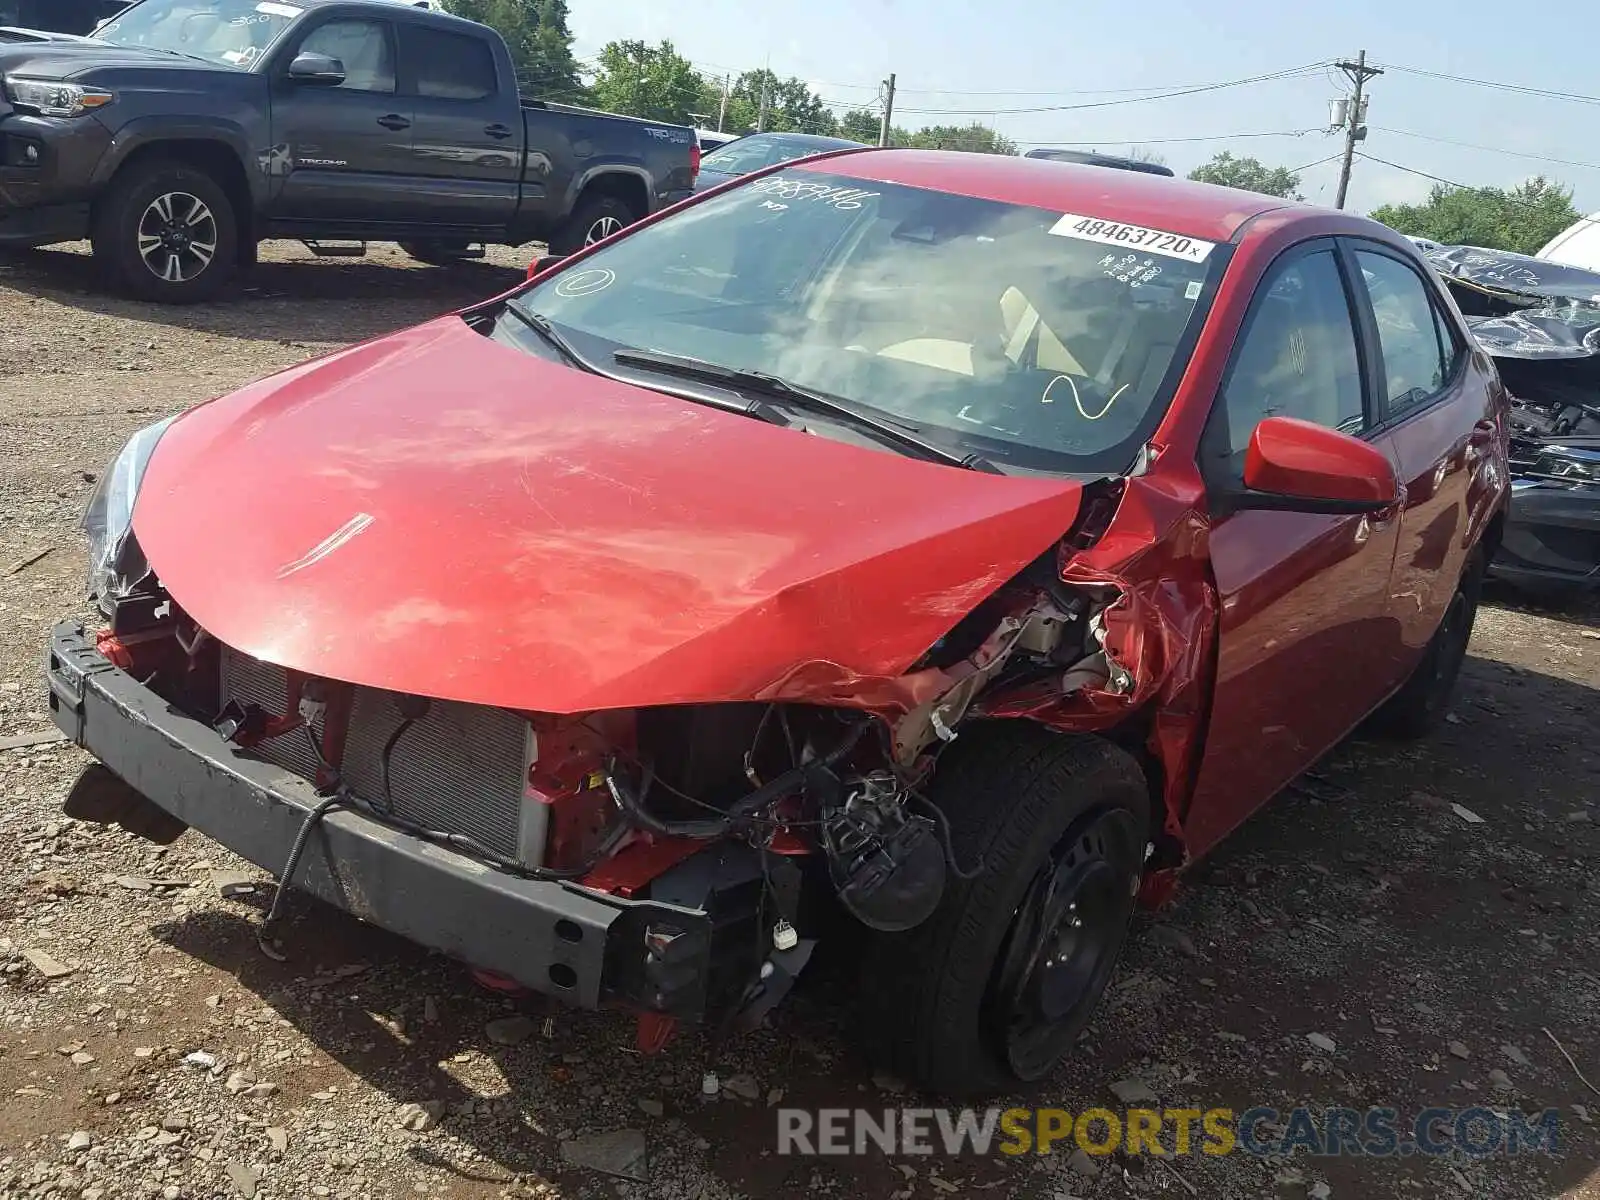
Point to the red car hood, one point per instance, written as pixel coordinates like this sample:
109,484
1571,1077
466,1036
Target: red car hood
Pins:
437,514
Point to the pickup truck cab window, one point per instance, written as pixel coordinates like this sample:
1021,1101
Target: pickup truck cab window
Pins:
362,47
1296,357
233,33
447,66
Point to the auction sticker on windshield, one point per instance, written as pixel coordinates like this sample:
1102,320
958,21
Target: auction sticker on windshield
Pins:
1120,233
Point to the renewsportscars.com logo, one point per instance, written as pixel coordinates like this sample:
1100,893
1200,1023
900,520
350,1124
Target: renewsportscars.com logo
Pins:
1214,1132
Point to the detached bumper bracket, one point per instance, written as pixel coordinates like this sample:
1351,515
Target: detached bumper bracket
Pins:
73,659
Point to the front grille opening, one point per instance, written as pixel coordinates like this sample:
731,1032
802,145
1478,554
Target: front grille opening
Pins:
459,768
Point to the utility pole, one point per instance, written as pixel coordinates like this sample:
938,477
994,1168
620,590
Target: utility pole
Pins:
766,89
722,109
1355,127
888,111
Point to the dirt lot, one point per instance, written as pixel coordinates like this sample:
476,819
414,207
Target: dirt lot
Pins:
1443,957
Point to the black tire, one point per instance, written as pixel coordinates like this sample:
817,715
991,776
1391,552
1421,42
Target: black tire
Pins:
597,217
1417,708
1032,806
436,252
132,211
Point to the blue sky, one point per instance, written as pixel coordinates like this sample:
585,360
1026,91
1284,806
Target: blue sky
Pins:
1062,54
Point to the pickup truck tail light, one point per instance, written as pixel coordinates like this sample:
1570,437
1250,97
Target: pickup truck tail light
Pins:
694,161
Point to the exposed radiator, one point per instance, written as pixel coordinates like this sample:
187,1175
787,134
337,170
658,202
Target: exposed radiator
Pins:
462,768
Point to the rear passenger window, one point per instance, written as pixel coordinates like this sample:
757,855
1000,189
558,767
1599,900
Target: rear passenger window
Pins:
362,48
1296,358
1415,360
449,66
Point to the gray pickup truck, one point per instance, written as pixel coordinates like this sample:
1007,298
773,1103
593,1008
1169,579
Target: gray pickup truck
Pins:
183,132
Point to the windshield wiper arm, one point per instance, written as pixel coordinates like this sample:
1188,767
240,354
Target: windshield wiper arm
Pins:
553,337
545,328
804,399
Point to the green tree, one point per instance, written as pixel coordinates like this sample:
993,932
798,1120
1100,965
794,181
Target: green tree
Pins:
540,42
1249,175
649,81
1522,219
791,106
860,125
976,138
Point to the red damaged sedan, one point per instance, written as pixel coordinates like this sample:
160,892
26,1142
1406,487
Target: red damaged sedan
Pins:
947,547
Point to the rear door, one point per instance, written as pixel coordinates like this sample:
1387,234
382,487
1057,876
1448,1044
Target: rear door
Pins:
343,153
1301,654
1438,417
467,133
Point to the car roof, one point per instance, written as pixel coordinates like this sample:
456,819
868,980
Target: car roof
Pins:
1182,206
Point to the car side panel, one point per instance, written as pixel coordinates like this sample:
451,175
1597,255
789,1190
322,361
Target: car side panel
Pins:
1303,602
1450,455
1303,631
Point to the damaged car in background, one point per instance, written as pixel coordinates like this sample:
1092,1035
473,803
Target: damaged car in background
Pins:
942,549
1540,321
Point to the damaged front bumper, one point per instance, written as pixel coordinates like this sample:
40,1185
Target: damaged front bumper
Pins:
585,947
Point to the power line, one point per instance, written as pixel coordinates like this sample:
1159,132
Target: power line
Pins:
1318,163
1413,171
1578,97
1294,72
1071,91
1427,137
1163,141
1509,199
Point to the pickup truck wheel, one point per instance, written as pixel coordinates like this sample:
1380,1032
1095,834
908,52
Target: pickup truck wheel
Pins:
593,220
167,232
992,990
1420,704
436,252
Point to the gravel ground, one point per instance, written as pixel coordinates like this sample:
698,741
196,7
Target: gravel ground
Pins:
1442,952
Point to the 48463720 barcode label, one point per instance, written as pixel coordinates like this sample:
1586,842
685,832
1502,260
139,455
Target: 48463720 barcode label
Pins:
1134,237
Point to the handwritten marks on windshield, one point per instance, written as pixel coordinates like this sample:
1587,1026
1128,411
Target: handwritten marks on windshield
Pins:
585,283
786,187
1129,269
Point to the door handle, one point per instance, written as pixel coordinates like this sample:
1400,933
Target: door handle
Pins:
395,121
498,131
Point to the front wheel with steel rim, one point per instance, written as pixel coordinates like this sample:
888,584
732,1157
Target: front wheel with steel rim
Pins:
167,232
990,993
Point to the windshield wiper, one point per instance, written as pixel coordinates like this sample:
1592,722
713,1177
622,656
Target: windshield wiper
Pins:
553,337
545,328
804,399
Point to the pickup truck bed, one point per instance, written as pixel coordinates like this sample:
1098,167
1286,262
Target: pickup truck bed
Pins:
177,144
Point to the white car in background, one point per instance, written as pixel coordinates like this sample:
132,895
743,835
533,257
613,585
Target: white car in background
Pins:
714,139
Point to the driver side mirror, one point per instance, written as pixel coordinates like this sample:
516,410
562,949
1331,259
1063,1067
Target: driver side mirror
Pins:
1299,466
317,70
